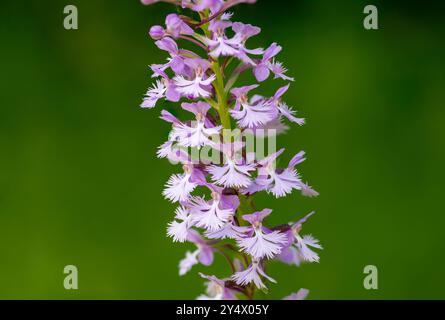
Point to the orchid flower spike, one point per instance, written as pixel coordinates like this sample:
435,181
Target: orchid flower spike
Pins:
210,114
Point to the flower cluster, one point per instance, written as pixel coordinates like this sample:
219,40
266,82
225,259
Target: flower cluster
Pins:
215,209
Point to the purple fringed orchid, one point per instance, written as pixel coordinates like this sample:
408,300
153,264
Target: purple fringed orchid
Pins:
217,289
197,84
201,5
300,295
215,211
253,274
179,228
260,242
175,27
200,132
253,113
235,172
230,230
280,182
164,88
267,65
298,248
283,109
203,254
219,44
179,186
242,33
213,215
177,58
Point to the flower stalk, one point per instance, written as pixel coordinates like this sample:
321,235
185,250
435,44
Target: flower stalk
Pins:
221,96
223,219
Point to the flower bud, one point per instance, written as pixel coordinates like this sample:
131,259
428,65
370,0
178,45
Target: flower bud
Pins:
157,32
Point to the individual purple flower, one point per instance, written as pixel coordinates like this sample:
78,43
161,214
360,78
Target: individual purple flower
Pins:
167,148
199,132
157,32
217,289
267,64
176,27
195,134
298,248
171,147
260,242
234,173
250,114
283,109
164,88
190,260
201,5
179,186
279,71
220,45
303,245
176,60
229,231
154,94
179,228
198,84
173,152
203,254
300,295
281,182
252,274
227,203
242,33
211,215
272,128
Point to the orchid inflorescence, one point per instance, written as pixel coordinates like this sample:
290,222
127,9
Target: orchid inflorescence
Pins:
226,222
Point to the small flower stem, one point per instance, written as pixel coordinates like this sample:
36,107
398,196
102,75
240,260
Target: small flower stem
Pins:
246,207
252,293
229,261
207,20
234,77
194,41
226,63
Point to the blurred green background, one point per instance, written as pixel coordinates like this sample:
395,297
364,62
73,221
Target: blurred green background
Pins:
80,183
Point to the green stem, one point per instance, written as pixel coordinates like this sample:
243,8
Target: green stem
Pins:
218,84
221,96
246,207
221,106
228,259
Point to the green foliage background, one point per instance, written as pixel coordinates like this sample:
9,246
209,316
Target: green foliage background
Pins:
80,183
